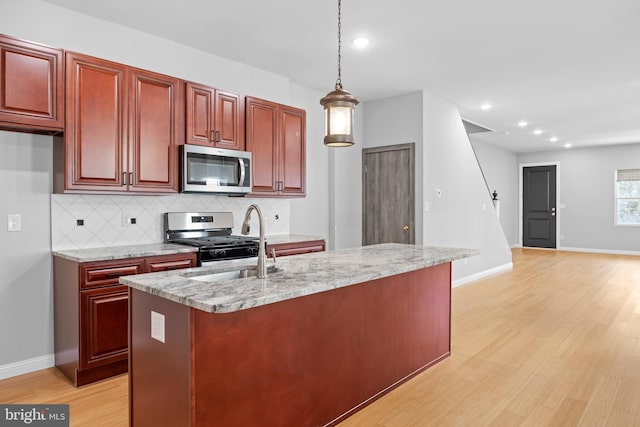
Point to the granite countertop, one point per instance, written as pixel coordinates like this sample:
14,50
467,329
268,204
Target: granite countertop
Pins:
151,249
295,276
122,252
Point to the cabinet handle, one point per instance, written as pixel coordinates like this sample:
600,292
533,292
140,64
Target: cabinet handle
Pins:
130,178
124,178
213,135
217,136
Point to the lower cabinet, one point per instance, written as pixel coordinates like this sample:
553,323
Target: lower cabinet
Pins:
103,326
296,248
91,313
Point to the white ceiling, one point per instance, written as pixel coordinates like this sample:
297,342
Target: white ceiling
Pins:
569,67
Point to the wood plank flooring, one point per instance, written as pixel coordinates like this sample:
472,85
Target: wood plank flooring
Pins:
555,342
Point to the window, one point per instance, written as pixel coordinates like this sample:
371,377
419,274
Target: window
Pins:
628,197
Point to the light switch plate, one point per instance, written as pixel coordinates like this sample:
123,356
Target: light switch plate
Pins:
157,326
14,222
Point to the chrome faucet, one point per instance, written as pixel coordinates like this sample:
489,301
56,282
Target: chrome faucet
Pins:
262,256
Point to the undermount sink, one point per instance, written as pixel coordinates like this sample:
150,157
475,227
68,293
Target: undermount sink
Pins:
233,274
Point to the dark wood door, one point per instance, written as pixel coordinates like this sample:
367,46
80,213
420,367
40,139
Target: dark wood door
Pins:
539,206
31,85
292,152
155,118
103,328
261,140
96,124
388,195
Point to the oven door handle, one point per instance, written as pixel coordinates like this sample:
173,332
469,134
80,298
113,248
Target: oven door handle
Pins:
242,174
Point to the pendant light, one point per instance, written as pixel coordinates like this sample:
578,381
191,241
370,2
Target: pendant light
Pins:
338,106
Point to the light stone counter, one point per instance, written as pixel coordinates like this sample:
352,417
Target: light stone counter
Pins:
296,276
122,252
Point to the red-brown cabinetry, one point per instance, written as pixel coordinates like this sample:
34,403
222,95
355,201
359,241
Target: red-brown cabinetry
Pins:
91,313
123,126
275,135
214,117
295,248
31,82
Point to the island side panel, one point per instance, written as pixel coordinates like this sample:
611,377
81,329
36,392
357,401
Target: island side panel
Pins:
313,360
159,373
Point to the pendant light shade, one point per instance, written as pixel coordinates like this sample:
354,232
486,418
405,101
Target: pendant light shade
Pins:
338,116
339,106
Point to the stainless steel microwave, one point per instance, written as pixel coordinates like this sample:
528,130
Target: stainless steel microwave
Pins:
214,170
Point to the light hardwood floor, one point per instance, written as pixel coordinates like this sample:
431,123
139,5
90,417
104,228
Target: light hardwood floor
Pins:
555,342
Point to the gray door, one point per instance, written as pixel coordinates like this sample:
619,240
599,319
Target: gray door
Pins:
388,194
539,206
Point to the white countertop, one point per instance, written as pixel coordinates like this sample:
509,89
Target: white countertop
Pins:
297,276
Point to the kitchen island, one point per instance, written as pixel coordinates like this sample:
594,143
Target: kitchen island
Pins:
320,337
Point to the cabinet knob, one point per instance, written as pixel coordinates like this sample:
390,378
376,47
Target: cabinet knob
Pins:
405,228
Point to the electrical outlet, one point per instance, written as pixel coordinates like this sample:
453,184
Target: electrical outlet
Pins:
14,222
157,326
126,219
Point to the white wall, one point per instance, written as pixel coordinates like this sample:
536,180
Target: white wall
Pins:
587,191
311,214
463,215
345,190
398,120
500,169
26,318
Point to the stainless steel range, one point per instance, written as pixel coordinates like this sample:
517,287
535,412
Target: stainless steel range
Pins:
210,232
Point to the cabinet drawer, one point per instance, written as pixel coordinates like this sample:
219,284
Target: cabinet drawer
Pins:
297,248
165,263
107,273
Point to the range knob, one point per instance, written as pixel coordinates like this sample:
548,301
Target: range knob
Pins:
252,251
217,253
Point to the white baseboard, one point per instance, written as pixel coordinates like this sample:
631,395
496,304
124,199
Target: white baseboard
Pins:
26,366
482,274
599,251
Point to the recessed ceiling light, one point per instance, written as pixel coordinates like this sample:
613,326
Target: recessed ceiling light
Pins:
485,107
553,139
522,123
361,42
567,145
537,132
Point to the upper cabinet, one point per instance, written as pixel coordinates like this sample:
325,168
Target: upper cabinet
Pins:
31,97
122,128
214,117
275,135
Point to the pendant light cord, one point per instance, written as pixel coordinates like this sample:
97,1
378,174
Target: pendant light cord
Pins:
339,80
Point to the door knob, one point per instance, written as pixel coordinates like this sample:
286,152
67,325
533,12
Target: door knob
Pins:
405,228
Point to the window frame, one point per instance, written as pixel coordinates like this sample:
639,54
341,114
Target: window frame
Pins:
616,197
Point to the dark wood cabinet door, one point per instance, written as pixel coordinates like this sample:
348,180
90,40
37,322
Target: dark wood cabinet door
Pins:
155,108
261,140
199,111
214,117
95,136
170,262
103,326
31,85
292,152
229,121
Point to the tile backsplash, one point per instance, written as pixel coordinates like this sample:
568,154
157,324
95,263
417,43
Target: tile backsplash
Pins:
106,221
